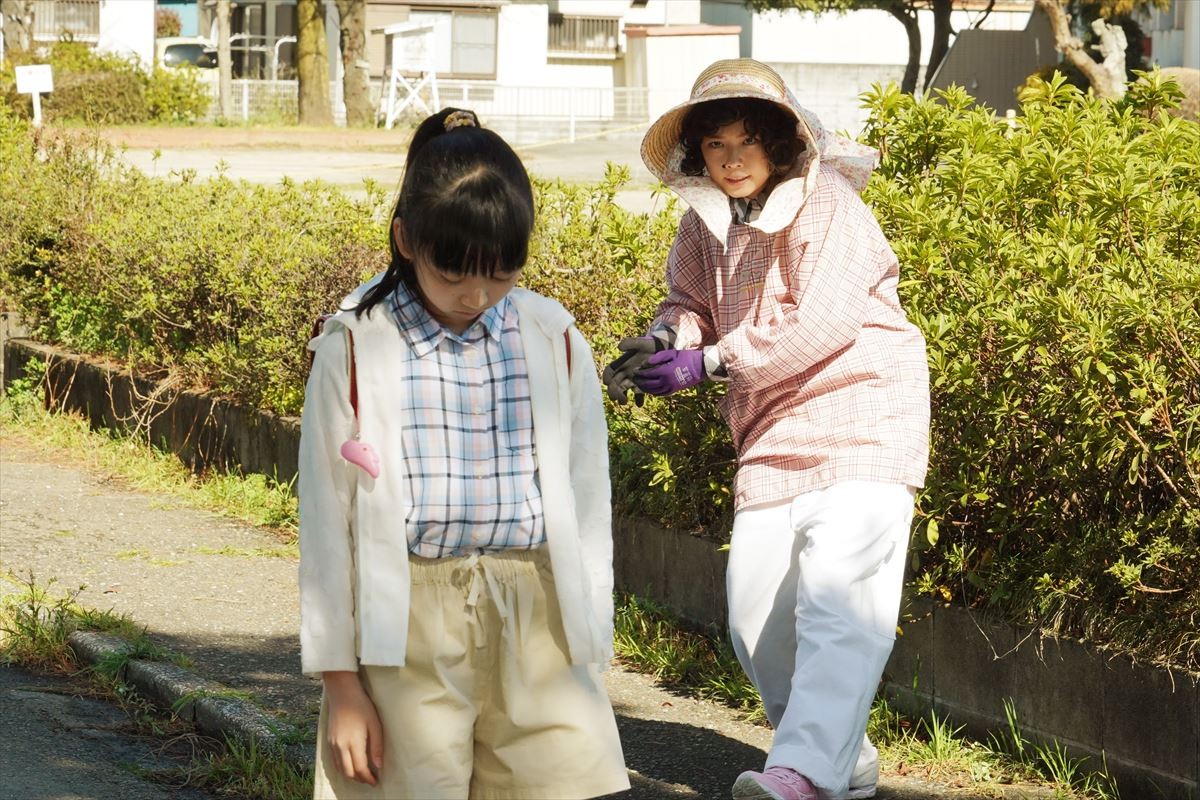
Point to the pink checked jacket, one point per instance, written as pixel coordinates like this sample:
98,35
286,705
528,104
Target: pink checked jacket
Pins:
828,380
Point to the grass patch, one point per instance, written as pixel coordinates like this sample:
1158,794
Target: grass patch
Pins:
649,639
240,769
283,551
35,624
254,499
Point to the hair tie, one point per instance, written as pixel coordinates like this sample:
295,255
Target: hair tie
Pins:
458,119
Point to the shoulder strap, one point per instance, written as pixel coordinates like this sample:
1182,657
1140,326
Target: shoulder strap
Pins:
319,326
353,377
567,337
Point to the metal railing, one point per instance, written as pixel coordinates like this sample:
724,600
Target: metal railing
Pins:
522,114
79,19
588,36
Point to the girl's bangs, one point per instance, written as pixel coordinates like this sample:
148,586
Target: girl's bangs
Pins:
479,249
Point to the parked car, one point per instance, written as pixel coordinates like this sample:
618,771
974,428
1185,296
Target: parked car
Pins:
177,51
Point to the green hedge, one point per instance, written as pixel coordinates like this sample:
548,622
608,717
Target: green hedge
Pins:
1052,265
105,89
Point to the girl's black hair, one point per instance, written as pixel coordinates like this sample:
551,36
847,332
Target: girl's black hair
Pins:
465,205
774,127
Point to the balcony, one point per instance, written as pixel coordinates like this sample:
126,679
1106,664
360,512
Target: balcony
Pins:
584,37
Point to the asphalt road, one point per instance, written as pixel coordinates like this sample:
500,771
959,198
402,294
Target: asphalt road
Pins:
58,745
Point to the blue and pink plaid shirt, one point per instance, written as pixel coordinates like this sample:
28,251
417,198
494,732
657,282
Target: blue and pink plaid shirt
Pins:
468,434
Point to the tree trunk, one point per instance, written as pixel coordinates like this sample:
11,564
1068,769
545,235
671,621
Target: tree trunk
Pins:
352,23
312,63
908,18
16,22
224,61
1073,50
941,39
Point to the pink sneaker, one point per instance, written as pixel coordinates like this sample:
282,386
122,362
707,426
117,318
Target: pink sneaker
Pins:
774,783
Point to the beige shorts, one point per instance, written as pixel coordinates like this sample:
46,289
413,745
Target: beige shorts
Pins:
488,706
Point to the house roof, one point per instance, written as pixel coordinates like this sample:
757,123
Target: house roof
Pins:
992,65
682,30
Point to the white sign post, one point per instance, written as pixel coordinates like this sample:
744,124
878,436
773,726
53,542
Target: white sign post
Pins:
35,79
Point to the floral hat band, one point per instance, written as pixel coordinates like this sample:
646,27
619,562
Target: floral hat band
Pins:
735,84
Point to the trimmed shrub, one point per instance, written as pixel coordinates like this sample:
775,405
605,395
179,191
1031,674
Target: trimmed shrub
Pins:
104,89
1054,267
1051,263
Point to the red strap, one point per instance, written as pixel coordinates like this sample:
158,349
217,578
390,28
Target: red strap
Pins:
353,376
567,336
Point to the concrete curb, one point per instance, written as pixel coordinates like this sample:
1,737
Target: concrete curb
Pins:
212,707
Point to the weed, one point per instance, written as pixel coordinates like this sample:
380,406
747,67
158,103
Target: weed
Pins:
35,624
242,769
650,639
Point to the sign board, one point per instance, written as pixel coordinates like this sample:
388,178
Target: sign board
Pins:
35,79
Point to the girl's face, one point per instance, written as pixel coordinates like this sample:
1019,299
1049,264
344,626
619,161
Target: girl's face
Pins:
455,301
736,161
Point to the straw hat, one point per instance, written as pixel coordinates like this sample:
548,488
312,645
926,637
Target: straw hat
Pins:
734,77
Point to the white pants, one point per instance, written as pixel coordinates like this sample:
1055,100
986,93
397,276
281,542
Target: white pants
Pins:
814,593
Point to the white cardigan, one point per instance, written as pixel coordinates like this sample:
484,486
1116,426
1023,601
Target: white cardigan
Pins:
354,576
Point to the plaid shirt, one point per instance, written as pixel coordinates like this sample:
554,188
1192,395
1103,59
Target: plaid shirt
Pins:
468,434
827,377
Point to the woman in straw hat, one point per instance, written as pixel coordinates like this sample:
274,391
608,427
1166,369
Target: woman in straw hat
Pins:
782,284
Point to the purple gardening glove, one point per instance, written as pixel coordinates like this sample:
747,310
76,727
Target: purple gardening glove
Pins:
671,370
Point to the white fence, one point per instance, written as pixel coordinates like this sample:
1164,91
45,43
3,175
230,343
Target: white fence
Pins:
522,114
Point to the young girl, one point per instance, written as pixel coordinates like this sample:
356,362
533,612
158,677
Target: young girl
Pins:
455,539
782,284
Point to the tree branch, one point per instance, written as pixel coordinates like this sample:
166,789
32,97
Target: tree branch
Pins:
1073,50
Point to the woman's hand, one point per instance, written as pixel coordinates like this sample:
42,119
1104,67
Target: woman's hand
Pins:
669,371
353,730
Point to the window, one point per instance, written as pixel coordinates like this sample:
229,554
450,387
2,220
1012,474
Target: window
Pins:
464,42
196,54
584,36
78,19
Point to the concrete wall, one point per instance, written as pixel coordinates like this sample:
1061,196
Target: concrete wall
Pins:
667,60
522,57
204,431
1144,722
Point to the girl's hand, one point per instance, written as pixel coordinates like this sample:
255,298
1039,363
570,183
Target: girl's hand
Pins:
354,733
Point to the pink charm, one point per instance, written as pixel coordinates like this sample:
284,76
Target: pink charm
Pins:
362,455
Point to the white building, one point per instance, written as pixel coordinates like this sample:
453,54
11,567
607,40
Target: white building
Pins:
657,47
1174,34
124,27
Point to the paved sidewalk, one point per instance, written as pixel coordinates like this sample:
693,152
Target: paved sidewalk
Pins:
235,614
162,153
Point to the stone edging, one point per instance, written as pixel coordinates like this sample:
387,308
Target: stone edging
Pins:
1144,721
209,705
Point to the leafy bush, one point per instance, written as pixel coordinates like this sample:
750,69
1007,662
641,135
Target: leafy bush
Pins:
1055,269
1052,265
215,283
105,89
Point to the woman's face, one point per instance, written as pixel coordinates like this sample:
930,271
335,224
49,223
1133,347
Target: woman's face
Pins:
456,301
736,161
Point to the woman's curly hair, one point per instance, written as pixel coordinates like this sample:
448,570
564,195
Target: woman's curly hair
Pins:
774,127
